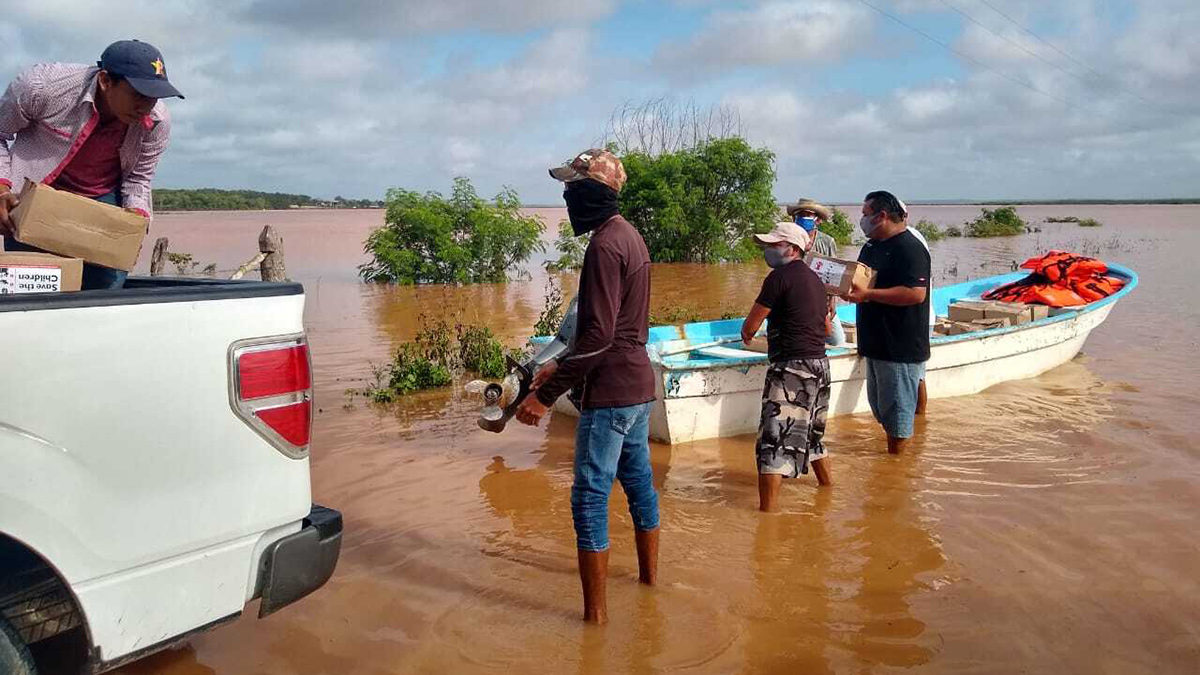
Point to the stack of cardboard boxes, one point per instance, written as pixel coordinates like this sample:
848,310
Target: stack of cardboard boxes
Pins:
71,230
969,316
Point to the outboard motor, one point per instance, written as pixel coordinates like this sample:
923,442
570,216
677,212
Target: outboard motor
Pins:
501,399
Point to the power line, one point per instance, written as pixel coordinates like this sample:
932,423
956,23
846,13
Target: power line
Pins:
1042,40
1032,53
977,62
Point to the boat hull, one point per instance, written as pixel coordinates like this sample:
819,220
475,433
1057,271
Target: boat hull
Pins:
721,401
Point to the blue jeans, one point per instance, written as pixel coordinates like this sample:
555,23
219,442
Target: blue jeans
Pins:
612,443
95,277
892,393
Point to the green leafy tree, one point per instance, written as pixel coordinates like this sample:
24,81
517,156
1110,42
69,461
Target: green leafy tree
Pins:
463,239
839,227
702,203
570,249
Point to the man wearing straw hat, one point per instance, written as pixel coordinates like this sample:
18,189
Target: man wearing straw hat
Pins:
810,215
796,393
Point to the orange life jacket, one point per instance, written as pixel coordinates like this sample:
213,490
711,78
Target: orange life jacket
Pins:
1058,265
1059,279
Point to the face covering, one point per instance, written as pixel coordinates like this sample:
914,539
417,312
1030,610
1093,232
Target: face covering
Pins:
809,223
589,204
866,226
777,257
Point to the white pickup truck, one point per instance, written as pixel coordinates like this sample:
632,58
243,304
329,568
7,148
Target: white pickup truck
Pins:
154,473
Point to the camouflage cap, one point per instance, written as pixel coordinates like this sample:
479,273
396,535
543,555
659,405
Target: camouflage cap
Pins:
598,164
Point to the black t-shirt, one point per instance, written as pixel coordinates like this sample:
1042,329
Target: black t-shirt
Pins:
796,324
887,332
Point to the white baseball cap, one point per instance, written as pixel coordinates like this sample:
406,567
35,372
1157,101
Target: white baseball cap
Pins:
784,231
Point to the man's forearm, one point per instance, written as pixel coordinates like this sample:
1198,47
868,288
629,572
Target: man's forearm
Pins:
899,296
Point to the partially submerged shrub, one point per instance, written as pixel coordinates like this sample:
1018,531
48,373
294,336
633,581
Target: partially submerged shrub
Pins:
480,352
552,310
1002,222
460,239
1090,222
929,230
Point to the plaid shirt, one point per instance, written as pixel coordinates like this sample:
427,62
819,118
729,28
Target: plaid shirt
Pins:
48,112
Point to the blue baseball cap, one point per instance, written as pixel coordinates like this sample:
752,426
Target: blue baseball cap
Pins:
141,64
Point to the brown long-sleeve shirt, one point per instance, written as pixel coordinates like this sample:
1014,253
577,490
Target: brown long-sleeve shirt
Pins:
609,355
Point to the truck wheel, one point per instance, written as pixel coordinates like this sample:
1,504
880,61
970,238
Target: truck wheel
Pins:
14,655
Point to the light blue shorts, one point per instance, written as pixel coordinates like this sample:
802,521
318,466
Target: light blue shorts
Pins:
892,393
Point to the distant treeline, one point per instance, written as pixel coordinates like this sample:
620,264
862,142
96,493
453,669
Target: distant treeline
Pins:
209,199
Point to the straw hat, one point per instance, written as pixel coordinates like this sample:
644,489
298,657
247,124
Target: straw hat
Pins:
803,204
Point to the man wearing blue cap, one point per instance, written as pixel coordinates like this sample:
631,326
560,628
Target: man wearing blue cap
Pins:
97,131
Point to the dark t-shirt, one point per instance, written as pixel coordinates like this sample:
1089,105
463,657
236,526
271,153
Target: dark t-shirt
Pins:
796,324
887,332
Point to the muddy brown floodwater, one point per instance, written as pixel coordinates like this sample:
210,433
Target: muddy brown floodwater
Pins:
1047,525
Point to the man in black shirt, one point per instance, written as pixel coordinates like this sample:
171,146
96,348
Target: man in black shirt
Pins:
796,394
893,317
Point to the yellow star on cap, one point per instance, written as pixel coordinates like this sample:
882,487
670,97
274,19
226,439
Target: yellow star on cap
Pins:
158,67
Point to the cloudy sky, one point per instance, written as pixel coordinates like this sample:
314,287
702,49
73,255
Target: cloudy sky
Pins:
934,99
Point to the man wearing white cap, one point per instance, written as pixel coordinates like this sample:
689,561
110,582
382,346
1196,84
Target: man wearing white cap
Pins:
796,394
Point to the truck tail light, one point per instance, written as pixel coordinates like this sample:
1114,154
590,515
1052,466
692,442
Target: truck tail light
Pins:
271,390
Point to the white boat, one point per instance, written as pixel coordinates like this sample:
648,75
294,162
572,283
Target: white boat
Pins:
716,392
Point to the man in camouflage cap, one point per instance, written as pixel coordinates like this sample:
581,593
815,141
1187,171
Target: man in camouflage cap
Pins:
608,360
599,165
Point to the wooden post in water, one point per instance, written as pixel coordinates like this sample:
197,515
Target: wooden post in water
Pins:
159,260
272,267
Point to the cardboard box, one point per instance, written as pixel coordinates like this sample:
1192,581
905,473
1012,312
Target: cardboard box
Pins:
78,227
968,310
942,327
26,272
960,327
1012,313
1038,312
989,324
839,275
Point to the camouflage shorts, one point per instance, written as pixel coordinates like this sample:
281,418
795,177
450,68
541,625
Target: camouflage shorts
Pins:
795,402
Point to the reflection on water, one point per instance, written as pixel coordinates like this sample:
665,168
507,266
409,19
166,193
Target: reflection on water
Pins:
1044,526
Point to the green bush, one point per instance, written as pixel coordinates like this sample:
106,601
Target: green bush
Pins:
930,230
701,204
1090,222
570,249
1062,219
408,371
839,227
480,352
430,239
552,310
1002,222
953,231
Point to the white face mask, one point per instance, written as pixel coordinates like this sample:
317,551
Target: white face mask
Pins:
866,225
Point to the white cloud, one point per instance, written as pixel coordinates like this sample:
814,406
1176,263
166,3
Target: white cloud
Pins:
769,34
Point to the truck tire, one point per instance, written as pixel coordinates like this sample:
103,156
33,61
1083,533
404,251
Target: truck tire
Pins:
37,606
14,655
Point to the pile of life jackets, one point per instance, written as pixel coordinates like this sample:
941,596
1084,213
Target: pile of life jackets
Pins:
1059,279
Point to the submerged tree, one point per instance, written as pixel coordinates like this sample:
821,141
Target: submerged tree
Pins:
701,204
462,239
